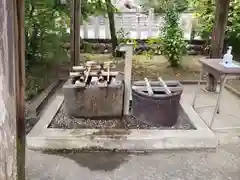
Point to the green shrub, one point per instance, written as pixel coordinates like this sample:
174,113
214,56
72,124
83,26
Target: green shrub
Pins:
173,44
155,45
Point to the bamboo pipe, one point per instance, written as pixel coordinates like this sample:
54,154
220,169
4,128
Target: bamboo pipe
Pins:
103,73
108,71
78,68
101,79
81,79
90,63
168,91
149,88
87,74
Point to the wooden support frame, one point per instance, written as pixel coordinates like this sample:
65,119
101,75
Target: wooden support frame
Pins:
20,87
12,79
12,88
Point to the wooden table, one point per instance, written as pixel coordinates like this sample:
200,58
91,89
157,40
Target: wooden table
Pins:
220,72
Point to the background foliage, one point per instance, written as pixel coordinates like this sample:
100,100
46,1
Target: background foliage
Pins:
205,15
47,25
160,5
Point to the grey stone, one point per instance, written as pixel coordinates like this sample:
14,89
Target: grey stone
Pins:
94,101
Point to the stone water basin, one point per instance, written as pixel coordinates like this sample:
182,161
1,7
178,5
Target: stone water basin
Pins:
95,100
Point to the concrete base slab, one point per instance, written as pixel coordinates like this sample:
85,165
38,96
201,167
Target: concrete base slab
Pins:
42,137
228,118
226,126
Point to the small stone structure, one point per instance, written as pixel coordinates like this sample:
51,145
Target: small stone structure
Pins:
93,91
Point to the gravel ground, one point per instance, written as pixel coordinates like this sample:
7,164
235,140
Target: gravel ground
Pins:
62,120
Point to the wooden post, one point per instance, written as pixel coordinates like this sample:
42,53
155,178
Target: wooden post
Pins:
218,35
107,33
85,30
128,48
12,78
150,22
75,7
96,28
138,24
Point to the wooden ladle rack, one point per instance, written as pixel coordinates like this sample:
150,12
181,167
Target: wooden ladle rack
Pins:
93,72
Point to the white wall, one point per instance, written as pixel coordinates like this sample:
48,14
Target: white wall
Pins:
147,25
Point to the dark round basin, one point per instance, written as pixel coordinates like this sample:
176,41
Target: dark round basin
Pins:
160,109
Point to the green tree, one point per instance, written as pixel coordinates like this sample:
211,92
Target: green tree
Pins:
46,26
99,7
205,14
173,43
204,11
46,29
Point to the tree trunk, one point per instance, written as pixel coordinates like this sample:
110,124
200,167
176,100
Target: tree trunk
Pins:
218,36
75,8
112,26
219,28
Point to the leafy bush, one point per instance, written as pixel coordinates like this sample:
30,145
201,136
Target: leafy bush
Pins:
173,44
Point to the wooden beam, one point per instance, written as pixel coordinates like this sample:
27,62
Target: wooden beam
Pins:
12,126
20,87
75,8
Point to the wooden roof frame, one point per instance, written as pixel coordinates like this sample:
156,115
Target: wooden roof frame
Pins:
12,91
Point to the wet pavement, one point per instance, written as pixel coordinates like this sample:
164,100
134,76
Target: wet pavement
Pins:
222,164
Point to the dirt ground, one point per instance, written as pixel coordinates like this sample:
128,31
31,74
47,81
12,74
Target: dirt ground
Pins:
156,67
